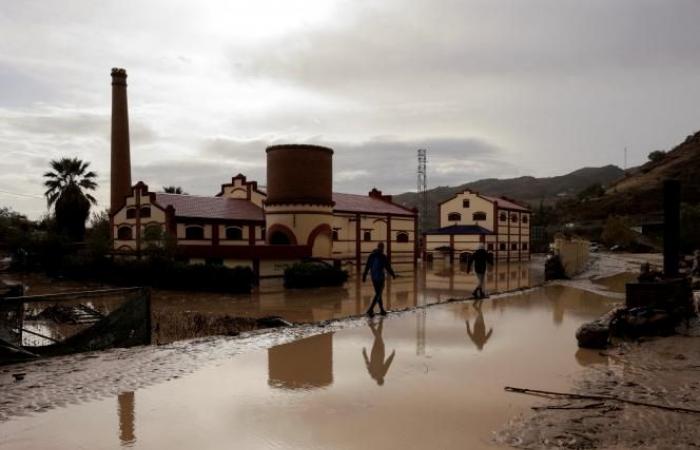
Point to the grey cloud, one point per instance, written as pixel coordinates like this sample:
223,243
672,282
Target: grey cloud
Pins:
384,162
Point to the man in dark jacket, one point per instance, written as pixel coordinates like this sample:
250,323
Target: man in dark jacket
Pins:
377,264
481,258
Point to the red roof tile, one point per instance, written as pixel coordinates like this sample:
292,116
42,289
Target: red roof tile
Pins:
211,207
366,204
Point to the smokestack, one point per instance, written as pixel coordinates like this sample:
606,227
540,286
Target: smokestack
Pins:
672,226
121,158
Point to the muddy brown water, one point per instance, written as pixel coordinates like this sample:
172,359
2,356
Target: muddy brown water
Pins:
430,378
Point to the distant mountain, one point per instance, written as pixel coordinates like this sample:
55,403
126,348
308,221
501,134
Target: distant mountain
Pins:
527,190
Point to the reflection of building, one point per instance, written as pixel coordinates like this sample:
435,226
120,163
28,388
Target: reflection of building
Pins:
503,276
297,216
303,364
470,218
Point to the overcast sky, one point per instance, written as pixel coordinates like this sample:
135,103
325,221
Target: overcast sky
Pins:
492,88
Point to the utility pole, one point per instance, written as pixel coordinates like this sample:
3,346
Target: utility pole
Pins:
422,188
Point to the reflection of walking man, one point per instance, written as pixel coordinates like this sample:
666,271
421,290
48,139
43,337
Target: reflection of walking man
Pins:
376,366
480,259
479,336
377,264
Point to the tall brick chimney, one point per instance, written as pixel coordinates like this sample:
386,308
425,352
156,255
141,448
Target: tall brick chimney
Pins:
121,158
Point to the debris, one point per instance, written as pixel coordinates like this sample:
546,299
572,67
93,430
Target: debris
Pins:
598,397
19,376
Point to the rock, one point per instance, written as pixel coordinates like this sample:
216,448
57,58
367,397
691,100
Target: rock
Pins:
594,334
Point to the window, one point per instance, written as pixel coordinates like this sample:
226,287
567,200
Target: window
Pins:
454,217
525,219
367,236
502,246
234,234
524,245
279,238
513,217
263,232
124,234
145,211
465,203
479,215
131,213
194,232
402,236
502,217
335,235
489,247
514,246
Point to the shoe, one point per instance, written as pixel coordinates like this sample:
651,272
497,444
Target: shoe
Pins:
382,312
370,313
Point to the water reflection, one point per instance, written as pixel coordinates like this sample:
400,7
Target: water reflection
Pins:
478,333
305,364
433,283
125,408
376,365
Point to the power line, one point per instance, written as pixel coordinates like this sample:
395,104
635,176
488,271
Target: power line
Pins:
17,194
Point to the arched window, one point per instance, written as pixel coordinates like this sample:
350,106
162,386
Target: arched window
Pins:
279,238
525,219
524,245
454,217
502,246
131,213
234,233
479,215
502,217
402,236
145,211
194,232
514,217
514,246
125,233
490,247
335,235
367,236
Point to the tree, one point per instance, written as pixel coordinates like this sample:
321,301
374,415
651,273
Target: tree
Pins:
617,232
595,190
173,190
690,227
657,155
67,185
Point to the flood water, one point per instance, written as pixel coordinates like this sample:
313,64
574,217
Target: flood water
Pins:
430,378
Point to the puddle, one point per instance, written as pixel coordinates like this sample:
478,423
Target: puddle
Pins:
431,378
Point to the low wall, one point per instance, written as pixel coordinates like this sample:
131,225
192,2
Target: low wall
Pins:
573,254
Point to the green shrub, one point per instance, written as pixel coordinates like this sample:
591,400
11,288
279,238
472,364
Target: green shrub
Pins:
313,274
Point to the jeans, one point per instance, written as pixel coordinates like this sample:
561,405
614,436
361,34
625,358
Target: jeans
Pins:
480,285
378,290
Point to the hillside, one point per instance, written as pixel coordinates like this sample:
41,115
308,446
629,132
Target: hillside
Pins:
639,192
528,190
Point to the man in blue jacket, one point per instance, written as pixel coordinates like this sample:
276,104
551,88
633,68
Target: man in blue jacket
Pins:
377,264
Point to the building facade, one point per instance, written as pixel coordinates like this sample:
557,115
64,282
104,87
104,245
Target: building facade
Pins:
470,218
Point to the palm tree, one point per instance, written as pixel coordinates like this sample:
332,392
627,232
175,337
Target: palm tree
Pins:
173,190
68,183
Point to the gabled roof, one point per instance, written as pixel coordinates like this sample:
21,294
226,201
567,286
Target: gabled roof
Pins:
366,204
460,229
210,207
505,203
